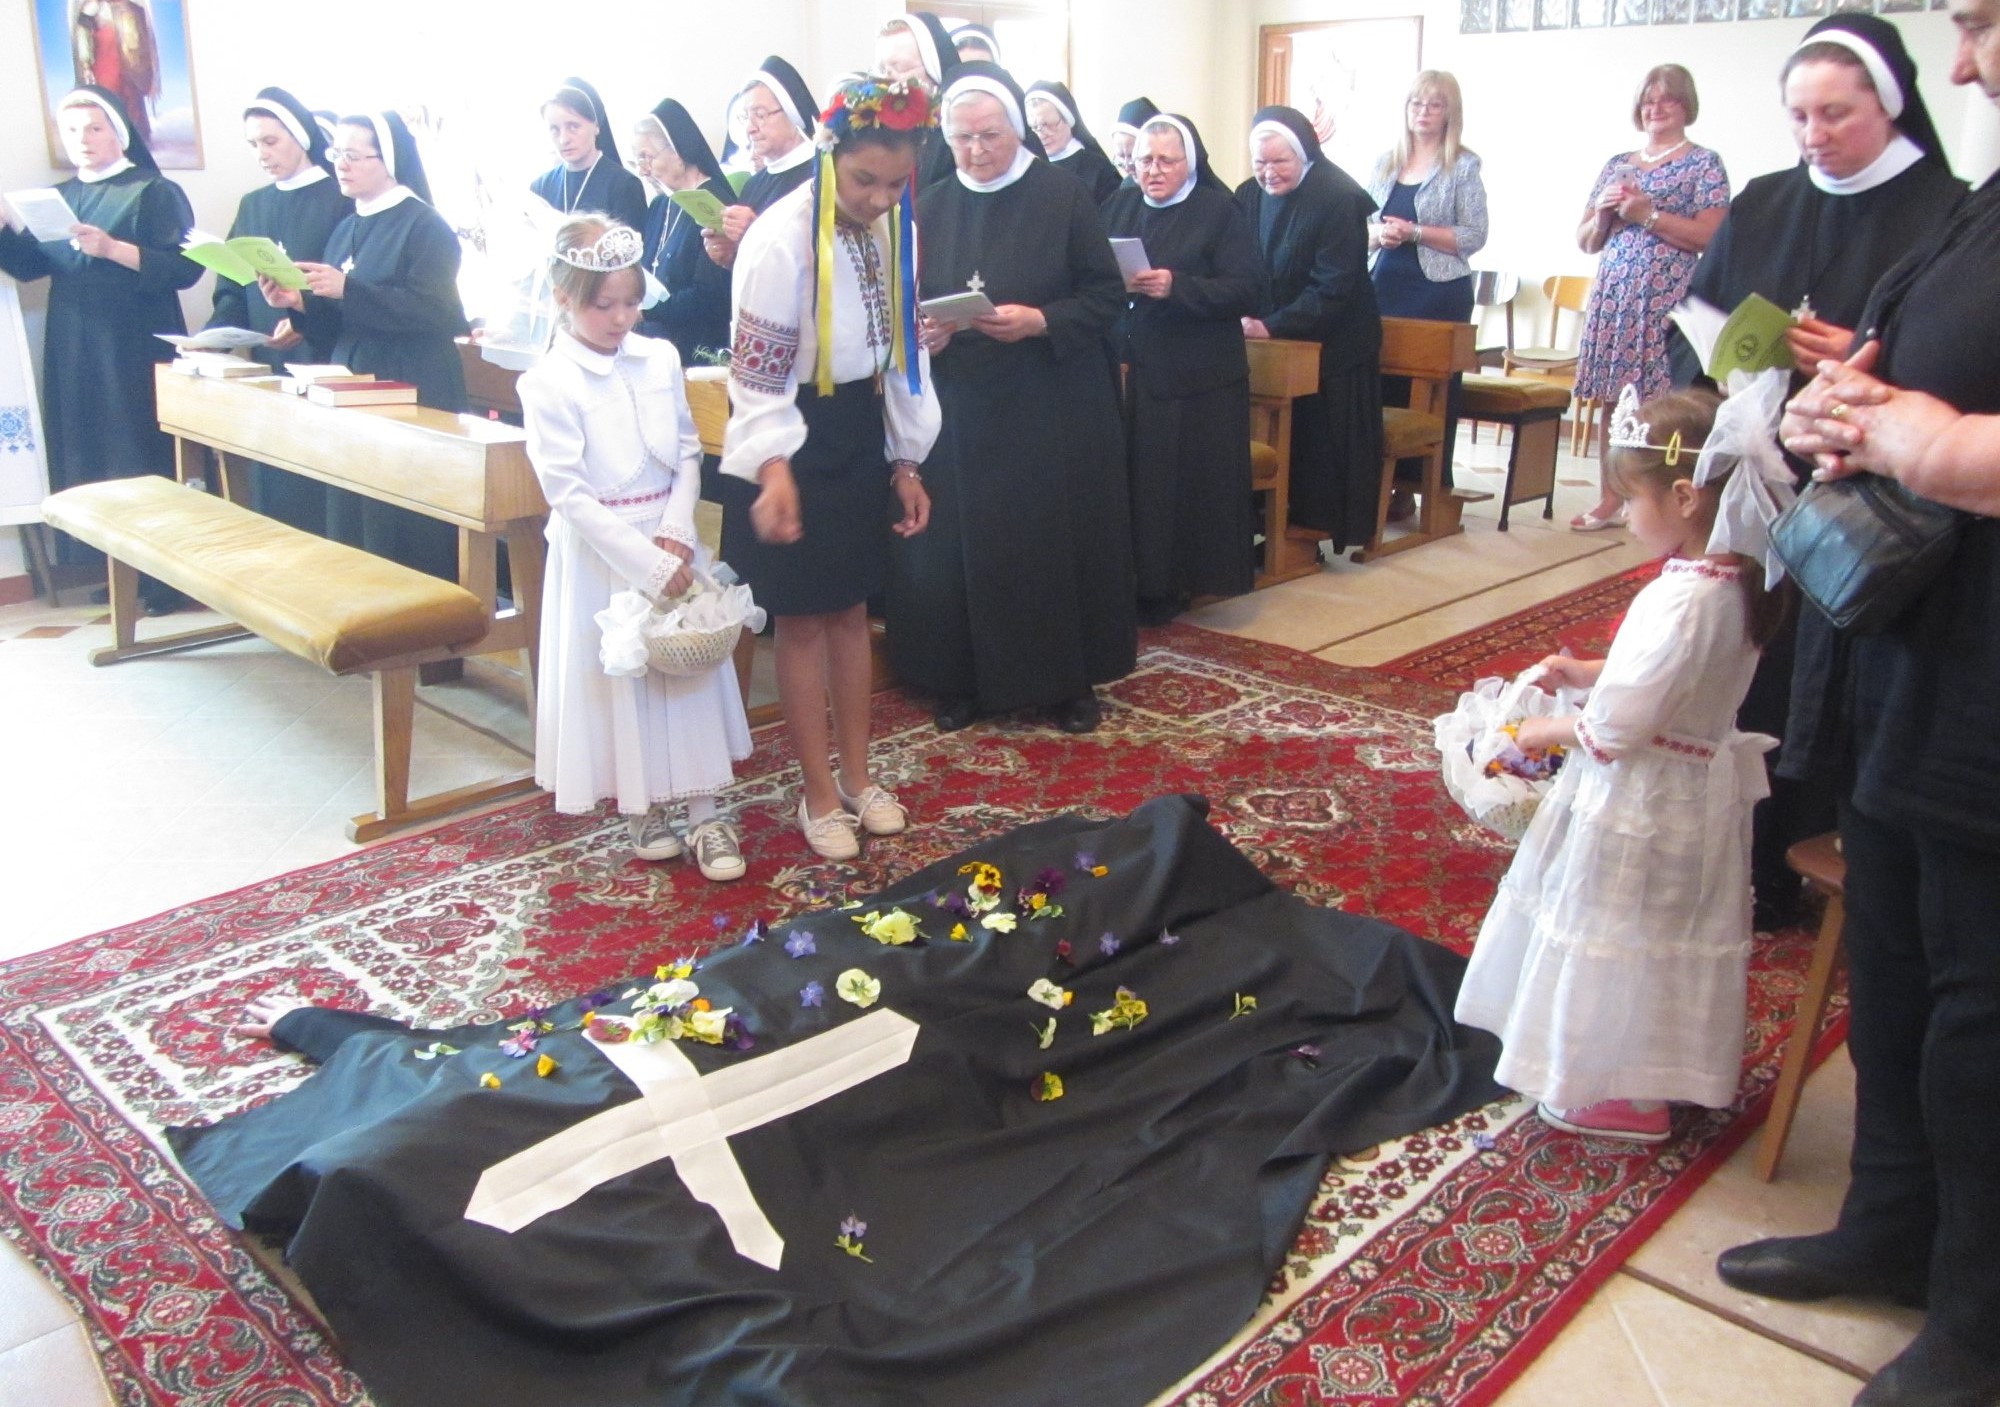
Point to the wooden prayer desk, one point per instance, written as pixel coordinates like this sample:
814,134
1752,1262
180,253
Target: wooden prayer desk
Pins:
489,386
460,469
1280,372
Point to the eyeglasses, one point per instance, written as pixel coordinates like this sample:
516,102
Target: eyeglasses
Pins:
762,114
1158,163
350,155
1428,105
965,140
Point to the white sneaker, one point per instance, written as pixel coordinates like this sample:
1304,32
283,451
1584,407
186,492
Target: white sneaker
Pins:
878,812
834,836
653,836
716,852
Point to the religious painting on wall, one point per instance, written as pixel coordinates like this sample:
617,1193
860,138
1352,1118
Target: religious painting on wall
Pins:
137,49
1349,77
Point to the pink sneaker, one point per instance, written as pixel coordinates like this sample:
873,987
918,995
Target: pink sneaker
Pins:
1625,1119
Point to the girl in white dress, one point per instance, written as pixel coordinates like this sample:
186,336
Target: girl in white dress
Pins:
614,445
1612,964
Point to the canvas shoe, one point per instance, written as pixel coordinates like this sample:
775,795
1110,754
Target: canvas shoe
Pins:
1612,1118
878,812
716,852
834,836
653,836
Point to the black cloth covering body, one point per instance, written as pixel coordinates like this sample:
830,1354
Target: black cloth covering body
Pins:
398,319
1315,242
1908,721
605,189
1088,1249
1021,592
767,187
1092,167
695,314
301,222
1788,240
98,350
1187,394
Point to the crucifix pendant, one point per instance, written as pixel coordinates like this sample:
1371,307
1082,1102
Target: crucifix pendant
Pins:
1804,311
976,283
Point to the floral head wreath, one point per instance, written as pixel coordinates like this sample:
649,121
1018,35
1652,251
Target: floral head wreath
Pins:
1628,431
899,105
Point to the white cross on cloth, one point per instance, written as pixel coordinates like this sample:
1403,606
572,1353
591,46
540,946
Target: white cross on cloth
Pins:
976,283
689,1117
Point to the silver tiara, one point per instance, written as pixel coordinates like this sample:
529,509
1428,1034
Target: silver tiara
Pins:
617,248
1628,431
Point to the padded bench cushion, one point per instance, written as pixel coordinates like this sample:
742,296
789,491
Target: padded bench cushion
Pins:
1497,397
338,606
1407,434
1264,465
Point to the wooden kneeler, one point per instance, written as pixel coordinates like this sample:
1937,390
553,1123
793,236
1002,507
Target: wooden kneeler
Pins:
345,610
1428,354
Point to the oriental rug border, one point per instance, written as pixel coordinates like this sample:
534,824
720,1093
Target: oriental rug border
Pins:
1429,1271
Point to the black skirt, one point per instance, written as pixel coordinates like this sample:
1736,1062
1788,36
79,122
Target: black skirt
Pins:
845,506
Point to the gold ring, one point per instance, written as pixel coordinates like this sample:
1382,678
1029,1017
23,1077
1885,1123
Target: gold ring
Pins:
1839,410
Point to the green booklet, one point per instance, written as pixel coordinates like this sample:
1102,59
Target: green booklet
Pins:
1750,339
244,258
701,204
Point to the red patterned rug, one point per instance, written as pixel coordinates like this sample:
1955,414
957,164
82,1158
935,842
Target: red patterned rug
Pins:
1430,1271
1583,622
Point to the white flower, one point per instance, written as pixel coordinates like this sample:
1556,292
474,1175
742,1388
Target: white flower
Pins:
858,987
708,1026
999,923
1049,994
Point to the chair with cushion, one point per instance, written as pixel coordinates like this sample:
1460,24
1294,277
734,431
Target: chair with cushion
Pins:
1534,411
1556,362
1427,353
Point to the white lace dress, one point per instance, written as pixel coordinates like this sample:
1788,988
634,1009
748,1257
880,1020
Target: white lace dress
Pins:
1612,964
614,446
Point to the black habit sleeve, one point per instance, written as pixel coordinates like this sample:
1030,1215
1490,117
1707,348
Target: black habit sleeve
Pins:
1078,324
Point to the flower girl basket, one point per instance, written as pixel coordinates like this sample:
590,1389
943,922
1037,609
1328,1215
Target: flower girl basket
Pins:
1477,754
689,635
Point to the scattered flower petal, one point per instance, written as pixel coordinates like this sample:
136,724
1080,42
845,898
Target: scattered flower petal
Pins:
546,1065
1168,937
519,1044
959,935
1100,870
755,933
849,1240
1049,994
1086,861
1125,1012
812,994
1063,949
894,928
1483,1142
857,987
1045,1036
1048,1088
1244,1006
1308,1054
1107,945
435,1049
595,1001
1000,923
801,944
609,1030
489,1080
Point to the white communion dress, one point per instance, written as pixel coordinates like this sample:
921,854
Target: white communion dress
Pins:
1613,962
614,445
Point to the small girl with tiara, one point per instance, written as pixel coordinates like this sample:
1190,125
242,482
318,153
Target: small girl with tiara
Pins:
614,446
1613,962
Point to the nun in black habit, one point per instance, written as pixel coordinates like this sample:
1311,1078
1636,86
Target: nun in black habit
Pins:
919,45
1311,219
1815,239
588,175
1125,131
1187,381
777,110
1058,126
386,301
674,155
1021,594
112,285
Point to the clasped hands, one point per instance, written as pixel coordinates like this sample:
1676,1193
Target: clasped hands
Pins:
1848,420
683,574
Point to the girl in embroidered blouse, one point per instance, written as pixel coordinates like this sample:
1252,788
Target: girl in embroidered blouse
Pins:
614,446
1613,962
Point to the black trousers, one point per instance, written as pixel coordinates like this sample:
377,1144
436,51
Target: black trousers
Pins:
1923,944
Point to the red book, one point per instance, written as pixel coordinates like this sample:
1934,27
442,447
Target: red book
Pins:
362,391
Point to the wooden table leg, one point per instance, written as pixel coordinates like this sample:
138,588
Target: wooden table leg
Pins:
526,560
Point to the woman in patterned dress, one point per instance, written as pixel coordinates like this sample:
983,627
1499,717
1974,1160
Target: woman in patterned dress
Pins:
1651,214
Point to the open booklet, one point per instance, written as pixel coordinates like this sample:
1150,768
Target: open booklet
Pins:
44,212
701,204
244,258
1751,339
957,309
216,339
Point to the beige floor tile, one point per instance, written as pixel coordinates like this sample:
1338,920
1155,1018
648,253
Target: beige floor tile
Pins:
56,1370
1693,1359
208,832
1591,1362
29,1305
1735,1206
277,776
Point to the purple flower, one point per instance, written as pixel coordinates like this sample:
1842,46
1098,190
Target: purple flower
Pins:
595,1001
1168,937
1308,1054
955,904
801,944
1086,861
736,1035
854,1227
1107,945
721,921
1483,1142
519,1044
812,994
1050,881
756,931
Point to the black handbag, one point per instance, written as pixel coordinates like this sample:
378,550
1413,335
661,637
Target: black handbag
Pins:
1863,548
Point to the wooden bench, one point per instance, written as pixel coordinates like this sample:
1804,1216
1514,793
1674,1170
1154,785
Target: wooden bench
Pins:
1281,371
1534,411
1428,354
345,610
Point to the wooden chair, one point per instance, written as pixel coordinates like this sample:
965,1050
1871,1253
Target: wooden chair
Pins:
1281,370
1428,353
1534,411
1556,362
1494,290
1819,862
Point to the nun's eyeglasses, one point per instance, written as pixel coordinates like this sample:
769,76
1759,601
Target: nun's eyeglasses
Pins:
977,139
1158,163
350,155
756,115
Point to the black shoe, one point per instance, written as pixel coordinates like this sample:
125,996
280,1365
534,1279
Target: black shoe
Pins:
1817,1268
953,714
1080,715
1934,1371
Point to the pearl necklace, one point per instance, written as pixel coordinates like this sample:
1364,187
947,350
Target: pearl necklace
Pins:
1649,155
